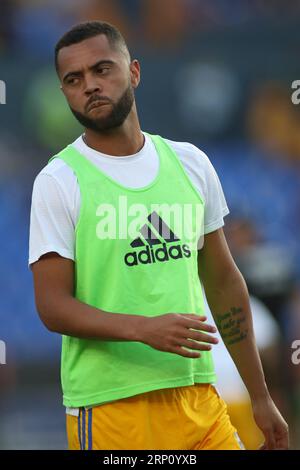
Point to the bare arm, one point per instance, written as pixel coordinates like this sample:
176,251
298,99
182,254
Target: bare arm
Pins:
228,298
61,312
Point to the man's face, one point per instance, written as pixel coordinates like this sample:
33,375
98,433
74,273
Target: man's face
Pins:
98,83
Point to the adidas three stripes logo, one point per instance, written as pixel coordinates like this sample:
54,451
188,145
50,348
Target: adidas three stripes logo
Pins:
152,233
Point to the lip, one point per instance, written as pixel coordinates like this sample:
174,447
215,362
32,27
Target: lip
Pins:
96,104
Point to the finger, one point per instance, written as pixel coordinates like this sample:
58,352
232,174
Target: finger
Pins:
262,446
282,440
199,325
203,327
193,316
270,440
193,335
194,345
184,352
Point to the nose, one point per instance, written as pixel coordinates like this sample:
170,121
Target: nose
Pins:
91,86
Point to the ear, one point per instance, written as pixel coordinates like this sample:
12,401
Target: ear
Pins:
62,89
135,73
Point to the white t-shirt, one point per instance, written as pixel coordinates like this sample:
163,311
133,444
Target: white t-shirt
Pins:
56,194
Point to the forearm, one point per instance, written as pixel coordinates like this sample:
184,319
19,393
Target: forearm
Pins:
229,303
68,316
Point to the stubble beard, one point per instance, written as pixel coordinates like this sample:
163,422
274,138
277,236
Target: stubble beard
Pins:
119,112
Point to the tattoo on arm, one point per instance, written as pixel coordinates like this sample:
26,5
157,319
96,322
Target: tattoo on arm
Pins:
232,325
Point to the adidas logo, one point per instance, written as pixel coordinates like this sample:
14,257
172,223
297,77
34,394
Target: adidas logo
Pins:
149,241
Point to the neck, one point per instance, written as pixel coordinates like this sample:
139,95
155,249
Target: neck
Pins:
124,140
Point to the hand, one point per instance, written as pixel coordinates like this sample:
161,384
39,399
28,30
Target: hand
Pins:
172,332
272,424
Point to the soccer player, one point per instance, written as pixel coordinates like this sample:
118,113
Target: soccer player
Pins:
124,228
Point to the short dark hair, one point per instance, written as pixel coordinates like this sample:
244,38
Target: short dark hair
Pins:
89,29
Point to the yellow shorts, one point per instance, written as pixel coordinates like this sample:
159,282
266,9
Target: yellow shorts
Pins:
242,418
188,418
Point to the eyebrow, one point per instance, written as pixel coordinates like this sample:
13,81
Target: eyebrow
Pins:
92,67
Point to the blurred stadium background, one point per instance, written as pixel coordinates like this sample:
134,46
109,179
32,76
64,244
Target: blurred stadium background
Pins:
217,73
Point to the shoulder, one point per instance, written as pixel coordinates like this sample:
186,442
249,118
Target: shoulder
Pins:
203,175
187,149
55,185
55,193
196,163
191,156
57,172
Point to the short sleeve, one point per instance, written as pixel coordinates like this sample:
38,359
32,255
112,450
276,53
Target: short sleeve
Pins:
215,203
204,177
51,220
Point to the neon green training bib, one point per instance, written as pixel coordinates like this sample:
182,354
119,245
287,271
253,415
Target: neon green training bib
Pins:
135,253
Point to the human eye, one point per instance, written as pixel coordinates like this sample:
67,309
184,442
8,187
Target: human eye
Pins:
103,70
72,81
